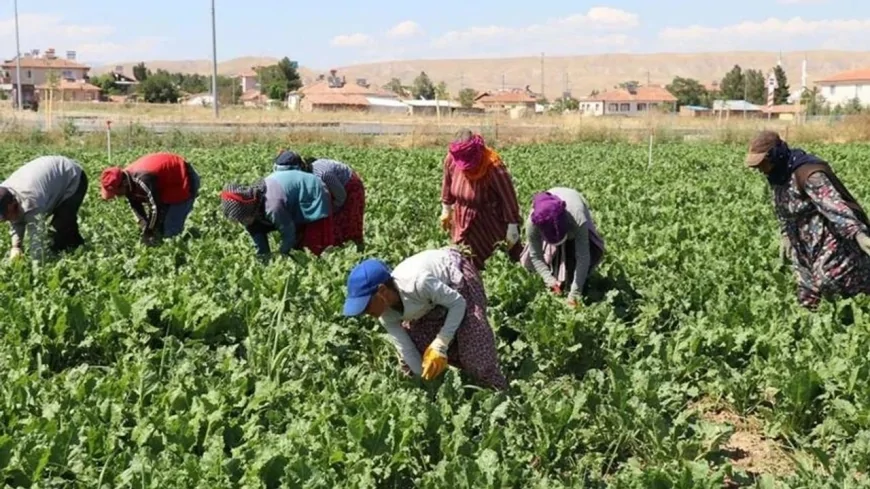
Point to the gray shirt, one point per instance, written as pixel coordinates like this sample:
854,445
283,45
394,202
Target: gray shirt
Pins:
40,186
578,231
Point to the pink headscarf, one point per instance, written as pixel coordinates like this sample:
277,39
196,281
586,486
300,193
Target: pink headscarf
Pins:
468,155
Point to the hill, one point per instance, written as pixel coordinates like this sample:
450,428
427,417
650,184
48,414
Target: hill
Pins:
202,66
579,74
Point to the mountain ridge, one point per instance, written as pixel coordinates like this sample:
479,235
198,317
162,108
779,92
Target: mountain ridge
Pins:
578,74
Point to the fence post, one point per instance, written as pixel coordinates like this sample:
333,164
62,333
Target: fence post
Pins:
109,140
650,159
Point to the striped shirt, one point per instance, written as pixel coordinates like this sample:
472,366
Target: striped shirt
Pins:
335,175
482,209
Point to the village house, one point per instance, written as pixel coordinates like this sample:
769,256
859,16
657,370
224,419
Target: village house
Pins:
67,79
444,107
629,101
843,87
736,108
333,93
506,101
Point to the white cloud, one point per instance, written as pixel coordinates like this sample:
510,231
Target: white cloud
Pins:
91,42
407,28
572,32
772,33
351,40
600,29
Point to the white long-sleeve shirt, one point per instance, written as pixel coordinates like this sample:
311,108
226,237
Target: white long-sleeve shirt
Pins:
40,186
425,280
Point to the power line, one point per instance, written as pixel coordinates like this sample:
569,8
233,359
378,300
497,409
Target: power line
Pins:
214,85
17,61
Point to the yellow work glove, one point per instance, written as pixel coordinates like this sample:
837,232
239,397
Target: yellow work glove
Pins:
513,235
446,217
434,360
15,253
863,242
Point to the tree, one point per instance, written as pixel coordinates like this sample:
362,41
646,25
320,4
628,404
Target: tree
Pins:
813,101
755,89
467,96
565,103
140,72
423,87
853,107
732,85
158,88
290,70
441,91
782,93
688,91
631,83
395,86
277,80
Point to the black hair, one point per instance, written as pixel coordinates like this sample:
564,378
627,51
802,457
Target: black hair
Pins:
6,198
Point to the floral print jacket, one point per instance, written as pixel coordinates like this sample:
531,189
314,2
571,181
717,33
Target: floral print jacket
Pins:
821,228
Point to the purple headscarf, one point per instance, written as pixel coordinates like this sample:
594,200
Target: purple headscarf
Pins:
548,215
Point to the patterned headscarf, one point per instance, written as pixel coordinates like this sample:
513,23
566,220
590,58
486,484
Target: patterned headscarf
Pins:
240,202
548,215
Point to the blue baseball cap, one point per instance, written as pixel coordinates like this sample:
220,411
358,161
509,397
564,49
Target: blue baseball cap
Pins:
362,283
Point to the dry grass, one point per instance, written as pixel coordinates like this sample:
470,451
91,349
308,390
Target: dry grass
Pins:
135,122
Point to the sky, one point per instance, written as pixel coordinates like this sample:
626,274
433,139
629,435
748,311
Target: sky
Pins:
322,35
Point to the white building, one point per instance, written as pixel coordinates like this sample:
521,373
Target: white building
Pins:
627,101
841,88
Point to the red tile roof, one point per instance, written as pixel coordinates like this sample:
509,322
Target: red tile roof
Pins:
322,88
642,94
506,98
44,63
848,76
70,85
252,95
336,99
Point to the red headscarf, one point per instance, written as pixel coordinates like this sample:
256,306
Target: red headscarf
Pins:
110,182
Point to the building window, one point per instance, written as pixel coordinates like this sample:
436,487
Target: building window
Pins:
612,108
641,107
653,106
625,107
67,75
29,74
833,89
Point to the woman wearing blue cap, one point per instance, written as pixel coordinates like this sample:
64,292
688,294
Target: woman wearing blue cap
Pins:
345,187
433,304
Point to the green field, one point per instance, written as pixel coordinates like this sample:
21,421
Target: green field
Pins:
195,365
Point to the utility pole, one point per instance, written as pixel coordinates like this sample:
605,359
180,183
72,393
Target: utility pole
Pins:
17,61
542,76
745,91
461,81
214,83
